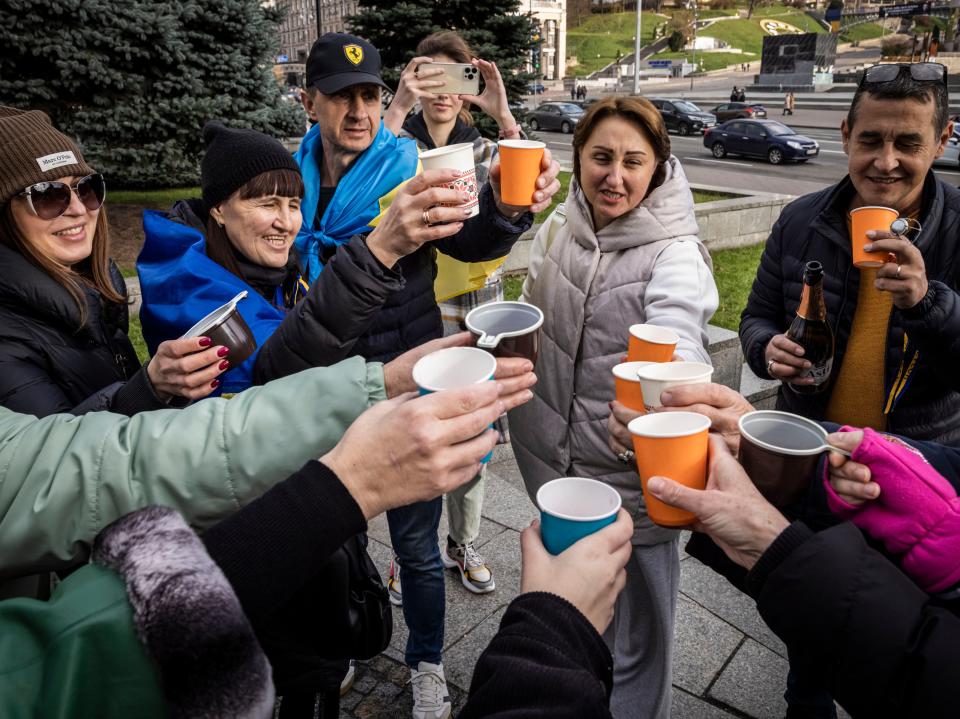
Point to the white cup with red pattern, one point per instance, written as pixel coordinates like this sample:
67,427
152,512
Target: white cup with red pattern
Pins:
457,157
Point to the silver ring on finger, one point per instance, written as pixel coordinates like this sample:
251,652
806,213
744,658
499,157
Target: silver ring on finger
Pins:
770,364
899,267
626,457
426,217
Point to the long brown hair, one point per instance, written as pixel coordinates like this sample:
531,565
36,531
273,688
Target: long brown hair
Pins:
285,183
637,110
93,272
449,43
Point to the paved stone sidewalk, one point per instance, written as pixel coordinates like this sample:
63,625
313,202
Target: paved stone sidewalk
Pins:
727,663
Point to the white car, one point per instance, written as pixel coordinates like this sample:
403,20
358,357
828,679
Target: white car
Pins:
951,153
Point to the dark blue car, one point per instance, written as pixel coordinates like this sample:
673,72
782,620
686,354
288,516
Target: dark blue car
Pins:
759,138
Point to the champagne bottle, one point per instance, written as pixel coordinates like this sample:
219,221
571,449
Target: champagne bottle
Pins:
811,331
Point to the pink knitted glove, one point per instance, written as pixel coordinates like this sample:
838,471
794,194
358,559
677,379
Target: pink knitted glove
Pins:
916,516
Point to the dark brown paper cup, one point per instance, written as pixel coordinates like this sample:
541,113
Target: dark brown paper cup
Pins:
779,452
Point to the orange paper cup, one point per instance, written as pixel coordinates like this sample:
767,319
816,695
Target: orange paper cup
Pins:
674,445
627,385
519,169
869,218
650,343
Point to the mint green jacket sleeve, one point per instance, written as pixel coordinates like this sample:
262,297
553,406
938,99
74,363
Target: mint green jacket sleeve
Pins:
63,478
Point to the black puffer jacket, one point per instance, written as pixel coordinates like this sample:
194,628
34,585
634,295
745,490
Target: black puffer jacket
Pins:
857,625
48,365
410,316
814,228
358,307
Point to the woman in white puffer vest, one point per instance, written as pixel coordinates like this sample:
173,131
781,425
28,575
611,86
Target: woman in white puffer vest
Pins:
627,253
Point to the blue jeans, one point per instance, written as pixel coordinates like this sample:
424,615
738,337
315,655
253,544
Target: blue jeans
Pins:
413,533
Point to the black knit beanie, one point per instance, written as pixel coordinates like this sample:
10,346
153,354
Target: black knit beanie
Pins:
234,157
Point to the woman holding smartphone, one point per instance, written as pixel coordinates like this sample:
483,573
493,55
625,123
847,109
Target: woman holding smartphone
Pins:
444,119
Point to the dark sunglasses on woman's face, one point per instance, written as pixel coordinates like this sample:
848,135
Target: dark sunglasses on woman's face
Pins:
919,71
49,200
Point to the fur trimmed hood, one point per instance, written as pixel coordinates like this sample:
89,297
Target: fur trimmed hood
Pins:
187,617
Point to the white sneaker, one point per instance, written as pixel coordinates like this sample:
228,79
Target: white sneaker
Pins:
431,700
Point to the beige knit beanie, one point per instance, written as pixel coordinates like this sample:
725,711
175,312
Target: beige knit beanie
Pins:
32,150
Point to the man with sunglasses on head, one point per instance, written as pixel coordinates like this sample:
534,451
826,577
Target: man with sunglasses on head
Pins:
896,327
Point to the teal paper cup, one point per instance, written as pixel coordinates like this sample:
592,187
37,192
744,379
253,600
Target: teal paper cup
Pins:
572,508
454,367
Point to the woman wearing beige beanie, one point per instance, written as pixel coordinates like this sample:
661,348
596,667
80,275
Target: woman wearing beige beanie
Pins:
63,305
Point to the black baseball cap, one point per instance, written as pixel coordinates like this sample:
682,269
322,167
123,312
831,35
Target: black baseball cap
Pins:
338,60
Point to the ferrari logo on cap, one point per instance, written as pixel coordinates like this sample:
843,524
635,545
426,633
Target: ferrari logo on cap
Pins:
354,53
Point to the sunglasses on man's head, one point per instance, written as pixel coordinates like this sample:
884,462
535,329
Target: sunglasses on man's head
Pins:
49,200
919,71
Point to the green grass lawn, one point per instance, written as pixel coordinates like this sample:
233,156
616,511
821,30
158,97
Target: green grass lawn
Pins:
748,35
153,199
136,337
866,31
603,35
708,14
733,271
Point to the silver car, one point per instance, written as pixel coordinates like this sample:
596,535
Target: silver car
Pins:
562,116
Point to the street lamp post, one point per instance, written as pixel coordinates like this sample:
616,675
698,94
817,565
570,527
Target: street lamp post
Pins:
636,49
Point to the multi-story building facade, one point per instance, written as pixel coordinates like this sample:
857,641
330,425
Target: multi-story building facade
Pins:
298,32
552,16
335,13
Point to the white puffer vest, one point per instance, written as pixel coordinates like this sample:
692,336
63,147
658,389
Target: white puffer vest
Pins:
591,287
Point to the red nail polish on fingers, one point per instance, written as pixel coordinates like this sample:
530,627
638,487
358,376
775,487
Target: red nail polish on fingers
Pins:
222,352
205,341
224,364
215,383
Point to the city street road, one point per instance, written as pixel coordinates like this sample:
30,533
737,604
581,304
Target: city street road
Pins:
741,173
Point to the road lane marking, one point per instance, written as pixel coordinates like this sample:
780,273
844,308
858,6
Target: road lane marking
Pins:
722,162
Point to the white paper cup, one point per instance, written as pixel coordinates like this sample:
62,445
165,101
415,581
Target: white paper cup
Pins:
453,367
659,376
460,158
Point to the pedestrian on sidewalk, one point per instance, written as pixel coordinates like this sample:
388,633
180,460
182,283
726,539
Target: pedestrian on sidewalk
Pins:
789,101
735,94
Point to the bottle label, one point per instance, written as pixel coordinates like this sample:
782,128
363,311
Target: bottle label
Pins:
820,372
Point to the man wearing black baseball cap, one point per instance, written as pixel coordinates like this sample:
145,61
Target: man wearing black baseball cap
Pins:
373,222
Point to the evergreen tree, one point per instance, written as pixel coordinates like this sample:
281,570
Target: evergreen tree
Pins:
135,81
490,27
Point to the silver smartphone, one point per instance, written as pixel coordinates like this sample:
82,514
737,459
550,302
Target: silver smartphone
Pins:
459,78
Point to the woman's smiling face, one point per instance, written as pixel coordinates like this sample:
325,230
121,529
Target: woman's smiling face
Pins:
262,229
67,239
